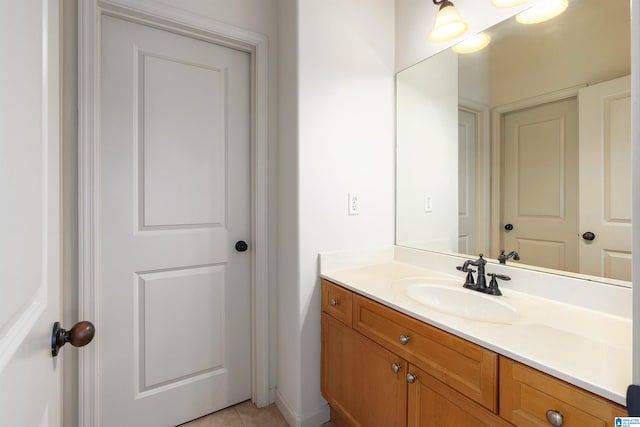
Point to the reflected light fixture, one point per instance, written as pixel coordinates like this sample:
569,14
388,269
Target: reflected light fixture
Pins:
542,11
472,44
448,23
508,3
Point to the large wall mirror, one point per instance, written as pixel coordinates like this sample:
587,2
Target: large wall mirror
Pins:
524,146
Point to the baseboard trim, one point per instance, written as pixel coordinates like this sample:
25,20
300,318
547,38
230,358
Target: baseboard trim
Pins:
319,417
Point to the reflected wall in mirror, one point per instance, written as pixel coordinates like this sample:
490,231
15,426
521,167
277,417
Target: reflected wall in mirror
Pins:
523,146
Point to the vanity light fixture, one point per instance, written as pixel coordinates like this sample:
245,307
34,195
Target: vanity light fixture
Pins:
542,11
472,44
448,24
508,3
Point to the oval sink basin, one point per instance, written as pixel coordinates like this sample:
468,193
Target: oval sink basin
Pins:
463,303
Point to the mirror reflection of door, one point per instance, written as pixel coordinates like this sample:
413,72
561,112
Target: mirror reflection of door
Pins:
540,185
605,178
467,135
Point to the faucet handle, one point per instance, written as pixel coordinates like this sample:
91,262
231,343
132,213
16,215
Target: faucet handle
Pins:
493,288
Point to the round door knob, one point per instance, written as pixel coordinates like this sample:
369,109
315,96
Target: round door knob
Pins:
411,378
404,339
395,368
555,418
588,236
508,227
80,335
241,246
333,302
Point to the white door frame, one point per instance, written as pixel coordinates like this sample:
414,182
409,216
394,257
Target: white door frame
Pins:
175,20
482,171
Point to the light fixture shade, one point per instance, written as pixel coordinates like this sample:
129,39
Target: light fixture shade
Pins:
542,11
508,3
448,25
472,44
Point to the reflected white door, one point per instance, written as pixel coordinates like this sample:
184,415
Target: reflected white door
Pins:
466,182
540,185
605,179
174,295
29,213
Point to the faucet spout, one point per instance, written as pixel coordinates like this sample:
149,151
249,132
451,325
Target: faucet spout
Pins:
502,258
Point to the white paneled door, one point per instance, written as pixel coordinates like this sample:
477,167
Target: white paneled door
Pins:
605,179
174,306
540,185
29,213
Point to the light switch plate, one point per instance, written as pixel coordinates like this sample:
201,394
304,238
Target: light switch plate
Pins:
354,204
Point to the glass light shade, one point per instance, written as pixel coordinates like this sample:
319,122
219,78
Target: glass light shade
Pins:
542,11
448,25
508,3
472,44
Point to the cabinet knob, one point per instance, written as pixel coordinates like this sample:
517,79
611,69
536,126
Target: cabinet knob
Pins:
404,339
333,302
411,378
555,418
395,368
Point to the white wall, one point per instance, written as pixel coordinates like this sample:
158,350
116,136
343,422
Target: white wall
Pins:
344,143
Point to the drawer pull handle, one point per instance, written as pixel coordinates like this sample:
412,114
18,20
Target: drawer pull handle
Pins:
555,418
404,339
411,378
333,302
395,368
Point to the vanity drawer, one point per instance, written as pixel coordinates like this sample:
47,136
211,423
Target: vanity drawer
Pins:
336,301
526,395
464,366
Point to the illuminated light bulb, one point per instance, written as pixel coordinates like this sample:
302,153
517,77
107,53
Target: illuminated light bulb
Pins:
448,24
542,11
472,44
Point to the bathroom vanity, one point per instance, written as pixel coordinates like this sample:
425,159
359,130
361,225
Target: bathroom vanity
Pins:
388,360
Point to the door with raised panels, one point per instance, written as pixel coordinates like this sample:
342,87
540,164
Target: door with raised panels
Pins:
540,185
605,179
29,212
174,169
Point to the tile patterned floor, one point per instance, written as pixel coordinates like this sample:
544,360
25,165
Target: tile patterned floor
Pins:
244,414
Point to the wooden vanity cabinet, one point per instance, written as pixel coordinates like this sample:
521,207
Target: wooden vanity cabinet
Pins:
526,395
364,372
368,349
364,383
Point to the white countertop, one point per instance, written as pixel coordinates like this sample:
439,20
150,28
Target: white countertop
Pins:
588,348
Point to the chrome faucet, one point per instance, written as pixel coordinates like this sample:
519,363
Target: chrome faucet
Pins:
502,258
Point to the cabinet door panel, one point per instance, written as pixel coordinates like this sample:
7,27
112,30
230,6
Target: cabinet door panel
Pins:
433,404
358,380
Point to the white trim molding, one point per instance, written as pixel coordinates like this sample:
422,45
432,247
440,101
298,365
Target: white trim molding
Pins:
161,16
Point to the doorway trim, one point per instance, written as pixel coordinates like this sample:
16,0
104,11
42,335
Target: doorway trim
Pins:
482,164
497,131
168,18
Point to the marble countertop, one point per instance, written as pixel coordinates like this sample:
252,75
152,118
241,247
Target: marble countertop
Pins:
588,348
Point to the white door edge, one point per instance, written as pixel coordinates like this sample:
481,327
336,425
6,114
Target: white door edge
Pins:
178,21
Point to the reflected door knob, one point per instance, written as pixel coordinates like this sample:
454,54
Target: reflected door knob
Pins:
588,236
508,227
241,246
80,335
